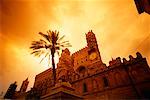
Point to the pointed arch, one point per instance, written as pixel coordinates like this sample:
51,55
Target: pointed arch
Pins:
94,84
85,88
82,70
105,80
118,78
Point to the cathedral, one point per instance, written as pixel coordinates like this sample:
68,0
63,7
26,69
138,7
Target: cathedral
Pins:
83,76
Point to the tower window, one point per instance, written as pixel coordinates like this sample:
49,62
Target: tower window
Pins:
91,50
105,82
84,87
81,69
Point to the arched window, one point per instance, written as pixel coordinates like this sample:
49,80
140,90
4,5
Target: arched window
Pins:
63,78
134,75
95,85
84,87
118,78
81,69
105,80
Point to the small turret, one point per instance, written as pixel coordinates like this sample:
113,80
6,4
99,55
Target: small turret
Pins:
24,86
91,39
131,58
11,91
138,55
115,62
66,50
92,46
125,61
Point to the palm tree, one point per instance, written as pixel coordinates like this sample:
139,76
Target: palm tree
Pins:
51,44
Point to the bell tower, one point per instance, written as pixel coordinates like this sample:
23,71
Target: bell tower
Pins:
91,40
93,50
24,86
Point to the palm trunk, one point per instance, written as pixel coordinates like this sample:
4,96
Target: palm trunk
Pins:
53,64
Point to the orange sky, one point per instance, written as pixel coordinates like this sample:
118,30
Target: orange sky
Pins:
119,29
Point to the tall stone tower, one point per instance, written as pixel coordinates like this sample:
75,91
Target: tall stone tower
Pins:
93,50
11,91
91,40
89,56
24,86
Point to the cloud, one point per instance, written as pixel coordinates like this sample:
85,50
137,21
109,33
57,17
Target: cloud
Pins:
116,23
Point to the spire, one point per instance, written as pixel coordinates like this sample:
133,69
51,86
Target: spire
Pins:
92,44
91,39
26,79
90,32
24,85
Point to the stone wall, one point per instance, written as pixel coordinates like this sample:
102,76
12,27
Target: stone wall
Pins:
124,80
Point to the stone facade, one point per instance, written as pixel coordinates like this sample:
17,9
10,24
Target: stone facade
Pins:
85,76
91,78
11,91
13,94
24,86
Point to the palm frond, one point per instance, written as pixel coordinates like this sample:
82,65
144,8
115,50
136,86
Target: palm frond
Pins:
36,47
44,57
57,35
34,52
43,41
63,42
54,38
38,44
45,36
49,32
38,52
50,45
65,45
45,45
61,38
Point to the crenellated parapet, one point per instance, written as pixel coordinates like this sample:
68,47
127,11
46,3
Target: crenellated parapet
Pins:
133,59
118,61
80,57
43,78
115,62
97,68
79,52
44,73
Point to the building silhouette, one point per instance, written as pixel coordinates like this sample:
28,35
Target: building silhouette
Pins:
11,91
83,75
24,86
143,6
13,94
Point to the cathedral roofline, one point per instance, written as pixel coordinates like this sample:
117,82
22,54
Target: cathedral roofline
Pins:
118,61
81,50
44,72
